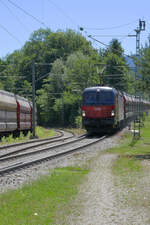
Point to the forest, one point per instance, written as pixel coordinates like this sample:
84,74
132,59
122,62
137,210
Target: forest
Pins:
66,63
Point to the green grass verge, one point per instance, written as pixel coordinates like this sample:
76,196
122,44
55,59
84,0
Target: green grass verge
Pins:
44,133
130,173
131,147
77,131
40,132
43,202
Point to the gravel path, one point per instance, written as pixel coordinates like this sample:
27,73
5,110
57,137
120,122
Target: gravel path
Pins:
100,202
96,199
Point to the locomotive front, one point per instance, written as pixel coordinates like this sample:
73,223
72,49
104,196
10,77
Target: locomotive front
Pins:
98,109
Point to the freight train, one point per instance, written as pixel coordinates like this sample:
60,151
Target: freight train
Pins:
105,109
15,114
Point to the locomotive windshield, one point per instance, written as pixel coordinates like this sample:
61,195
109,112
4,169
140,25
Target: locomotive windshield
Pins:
98,98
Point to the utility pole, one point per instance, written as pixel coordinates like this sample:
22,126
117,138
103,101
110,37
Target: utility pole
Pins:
140,28
33,99
33,94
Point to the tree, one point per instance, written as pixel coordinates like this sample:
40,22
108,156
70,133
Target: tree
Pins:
81,72
144,70
50,96
116,48
116,70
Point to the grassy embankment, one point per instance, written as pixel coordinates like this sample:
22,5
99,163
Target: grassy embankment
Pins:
44,201
40,132
132,168
132,150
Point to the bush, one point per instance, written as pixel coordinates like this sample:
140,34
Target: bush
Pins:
78,121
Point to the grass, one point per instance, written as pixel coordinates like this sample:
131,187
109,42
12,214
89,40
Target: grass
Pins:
132,147
77,131
44,133
131,150
129,171
40,132
42,202
125,165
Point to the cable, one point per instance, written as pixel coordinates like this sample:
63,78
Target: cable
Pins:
111,28
17,18
64,13
122,39
28,14
110,35
10,34
90,36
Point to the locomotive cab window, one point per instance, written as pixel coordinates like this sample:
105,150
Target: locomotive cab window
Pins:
98,98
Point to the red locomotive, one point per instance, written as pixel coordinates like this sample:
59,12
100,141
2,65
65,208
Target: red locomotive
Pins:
15,114
105,109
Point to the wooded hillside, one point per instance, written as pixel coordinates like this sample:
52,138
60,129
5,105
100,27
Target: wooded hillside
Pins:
66,63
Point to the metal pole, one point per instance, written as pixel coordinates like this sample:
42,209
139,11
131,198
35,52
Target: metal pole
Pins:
33,99
62,110
138,30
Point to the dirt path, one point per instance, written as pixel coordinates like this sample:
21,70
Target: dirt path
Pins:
100,202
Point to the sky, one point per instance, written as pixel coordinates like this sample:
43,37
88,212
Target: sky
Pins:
103,20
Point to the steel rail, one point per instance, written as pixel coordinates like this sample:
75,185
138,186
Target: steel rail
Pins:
33,141
37,161
44,142
5,158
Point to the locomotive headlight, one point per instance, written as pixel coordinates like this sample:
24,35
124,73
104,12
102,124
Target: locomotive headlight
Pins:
112,113
83,113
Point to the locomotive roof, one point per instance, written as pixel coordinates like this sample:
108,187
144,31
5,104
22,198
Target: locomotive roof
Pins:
100,88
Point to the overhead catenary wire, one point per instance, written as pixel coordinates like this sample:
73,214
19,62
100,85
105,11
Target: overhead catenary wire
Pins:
12,13
27,13
10,34
109,35
123,38
111,28
106,45
63,12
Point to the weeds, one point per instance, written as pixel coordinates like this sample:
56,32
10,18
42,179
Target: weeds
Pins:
40,131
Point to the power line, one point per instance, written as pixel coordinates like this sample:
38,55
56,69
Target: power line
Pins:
12,35
90,36
122,39
117,35
111,28
27,13
64,13
106,45
17,18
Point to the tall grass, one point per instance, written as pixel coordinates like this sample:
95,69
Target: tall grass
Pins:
40,132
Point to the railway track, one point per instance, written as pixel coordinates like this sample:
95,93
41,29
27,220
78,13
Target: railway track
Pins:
42,151
11,146
15,149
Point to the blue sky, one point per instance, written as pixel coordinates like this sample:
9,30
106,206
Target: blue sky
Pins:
95,16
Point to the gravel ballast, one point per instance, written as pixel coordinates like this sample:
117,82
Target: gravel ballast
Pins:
102,198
